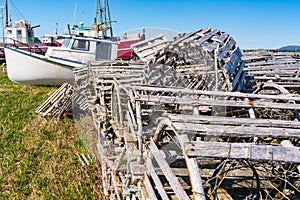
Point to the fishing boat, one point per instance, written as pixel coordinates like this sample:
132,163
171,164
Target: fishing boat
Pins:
56,67
21,35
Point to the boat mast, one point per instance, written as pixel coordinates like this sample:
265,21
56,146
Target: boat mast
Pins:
6,13
109,18
103,13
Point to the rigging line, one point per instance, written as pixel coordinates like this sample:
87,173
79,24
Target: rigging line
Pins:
82,13
17,10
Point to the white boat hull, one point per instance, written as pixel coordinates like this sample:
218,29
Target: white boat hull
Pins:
32,69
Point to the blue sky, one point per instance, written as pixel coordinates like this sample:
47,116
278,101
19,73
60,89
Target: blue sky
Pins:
252,23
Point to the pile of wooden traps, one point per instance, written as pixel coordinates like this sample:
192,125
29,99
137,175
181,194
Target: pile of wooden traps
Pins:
191,120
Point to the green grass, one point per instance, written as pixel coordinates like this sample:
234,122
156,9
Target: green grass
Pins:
38,157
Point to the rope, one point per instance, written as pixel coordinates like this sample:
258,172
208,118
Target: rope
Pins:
128,192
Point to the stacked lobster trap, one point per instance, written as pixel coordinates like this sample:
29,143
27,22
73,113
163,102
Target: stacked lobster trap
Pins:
179,125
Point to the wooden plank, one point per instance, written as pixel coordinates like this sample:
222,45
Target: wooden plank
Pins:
149,188
287,143
272,67
233,62
284,97
210,47
276,62
150,40
242,80
190,35
156,180
276,78
216,102
117,185
242,151
237,77
146,49
221,38
197,35
194,172
153,44
206,37
275,72
235,131
225,50
200,119
174,182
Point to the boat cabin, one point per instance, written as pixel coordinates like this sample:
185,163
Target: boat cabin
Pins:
21,32
84,49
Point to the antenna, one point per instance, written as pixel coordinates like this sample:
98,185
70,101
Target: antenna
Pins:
74,17
56,28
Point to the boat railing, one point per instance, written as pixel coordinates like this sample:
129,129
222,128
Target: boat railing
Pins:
30,47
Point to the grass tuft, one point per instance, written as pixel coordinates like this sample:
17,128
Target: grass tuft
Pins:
38,157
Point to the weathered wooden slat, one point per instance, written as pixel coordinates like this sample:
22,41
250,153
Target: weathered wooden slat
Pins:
156,180
234,61
149,188
195,175
284,97
146,49
189,35
275,72
287,143
206,37
272,67
200,119
270,62
221,38
150,40
237,78
117,185
242,151
159,43
235,131
216,102
241,86
252,58
276,78
228,45
175,184
197,35
120,70
210,47
59,103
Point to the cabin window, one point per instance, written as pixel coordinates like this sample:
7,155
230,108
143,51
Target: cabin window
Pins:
9,32
81,45
103,51
66,42
19,34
